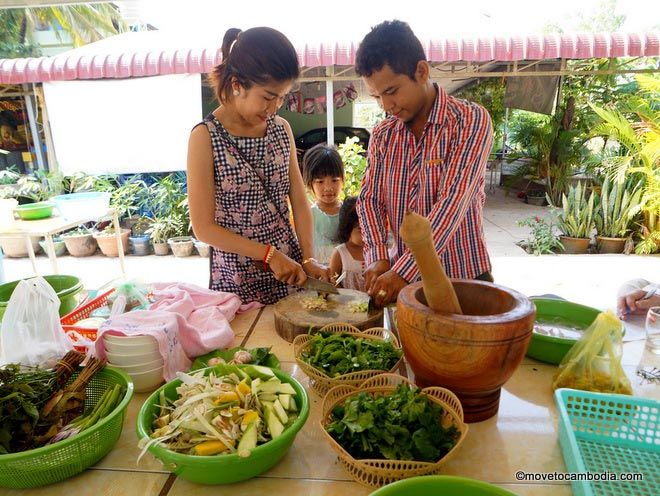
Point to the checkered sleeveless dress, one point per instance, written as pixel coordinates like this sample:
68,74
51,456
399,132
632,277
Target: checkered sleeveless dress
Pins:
243,206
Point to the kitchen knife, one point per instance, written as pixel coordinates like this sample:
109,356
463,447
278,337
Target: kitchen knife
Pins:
320,286
310,284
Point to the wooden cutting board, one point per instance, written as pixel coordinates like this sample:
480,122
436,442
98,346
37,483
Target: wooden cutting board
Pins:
292,318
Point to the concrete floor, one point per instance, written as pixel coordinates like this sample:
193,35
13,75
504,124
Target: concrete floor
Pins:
587,279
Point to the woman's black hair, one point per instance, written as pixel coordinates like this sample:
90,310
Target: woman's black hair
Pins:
348,219
320,161
256,56
392,43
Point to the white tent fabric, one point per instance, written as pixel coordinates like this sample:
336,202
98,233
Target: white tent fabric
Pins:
123,126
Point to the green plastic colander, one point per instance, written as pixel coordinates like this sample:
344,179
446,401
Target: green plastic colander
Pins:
64,459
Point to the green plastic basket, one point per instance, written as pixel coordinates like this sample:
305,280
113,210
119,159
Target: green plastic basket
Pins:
64,459
441,484
610,434
225,468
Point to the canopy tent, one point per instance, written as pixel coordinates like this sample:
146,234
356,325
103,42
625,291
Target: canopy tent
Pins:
153,55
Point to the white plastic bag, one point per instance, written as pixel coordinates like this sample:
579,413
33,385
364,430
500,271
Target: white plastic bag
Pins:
31,332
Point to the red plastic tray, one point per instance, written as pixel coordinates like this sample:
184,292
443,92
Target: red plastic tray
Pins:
83,312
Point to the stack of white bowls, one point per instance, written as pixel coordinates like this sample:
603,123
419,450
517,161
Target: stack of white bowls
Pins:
139,357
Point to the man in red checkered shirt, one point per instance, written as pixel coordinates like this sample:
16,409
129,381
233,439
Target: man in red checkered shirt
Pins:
428,156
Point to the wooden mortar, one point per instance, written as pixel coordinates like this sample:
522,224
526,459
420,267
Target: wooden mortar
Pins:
472,354
416,233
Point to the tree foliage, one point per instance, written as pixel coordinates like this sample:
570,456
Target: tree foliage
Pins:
83,23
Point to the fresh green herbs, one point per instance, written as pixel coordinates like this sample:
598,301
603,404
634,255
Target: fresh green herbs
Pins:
23,390
338,354
403,425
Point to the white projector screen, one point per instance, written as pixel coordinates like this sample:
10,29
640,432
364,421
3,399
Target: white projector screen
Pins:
123,125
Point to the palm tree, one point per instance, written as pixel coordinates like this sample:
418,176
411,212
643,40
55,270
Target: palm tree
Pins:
83,23
635,125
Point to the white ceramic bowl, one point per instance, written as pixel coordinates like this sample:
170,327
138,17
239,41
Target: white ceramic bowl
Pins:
129,340
124,360
147,381
139,368
130,349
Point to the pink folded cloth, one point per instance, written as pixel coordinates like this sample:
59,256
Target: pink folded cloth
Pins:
163,326
207,314
186,320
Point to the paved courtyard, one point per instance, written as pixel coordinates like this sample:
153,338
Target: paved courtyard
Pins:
587,279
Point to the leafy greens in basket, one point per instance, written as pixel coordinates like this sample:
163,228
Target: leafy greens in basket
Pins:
403,425
339,354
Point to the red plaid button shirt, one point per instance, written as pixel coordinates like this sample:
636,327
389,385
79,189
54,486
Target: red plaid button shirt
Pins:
441,177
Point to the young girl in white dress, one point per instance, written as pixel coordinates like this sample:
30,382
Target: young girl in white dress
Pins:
348,256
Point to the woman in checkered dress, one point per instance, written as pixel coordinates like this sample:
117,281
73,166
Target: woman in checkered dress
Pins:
242,169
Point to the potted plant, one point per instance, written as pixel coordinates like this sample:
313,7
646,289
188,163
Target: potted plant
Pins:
575,219
107,241
16,247
182,246
536,197
30,189
58,244
168,205
542,239
139,239
161,229
615,209
202,248
129,198
80,242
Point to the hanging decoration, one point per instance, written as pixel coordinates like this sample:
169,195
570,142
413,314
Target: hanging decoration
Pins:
311,98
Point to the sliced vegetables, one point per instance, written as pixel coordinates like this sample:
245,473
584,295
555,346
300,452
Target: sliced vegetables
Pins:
230,410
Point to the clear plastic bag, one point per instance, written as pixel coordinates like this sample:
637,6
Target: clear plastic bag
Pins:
594,362
134,293
31,333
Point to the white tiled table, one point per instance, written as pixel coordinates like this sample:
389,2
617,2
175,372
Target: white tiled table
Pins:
523,436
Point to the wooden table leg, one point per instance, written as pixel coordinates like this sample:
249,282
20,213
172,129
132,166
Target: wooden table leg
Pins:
33,258
120,248
51,253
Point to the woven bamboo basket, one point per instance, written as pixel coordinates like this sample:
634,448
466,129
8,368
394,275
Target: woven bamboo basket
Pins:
376,473
319,380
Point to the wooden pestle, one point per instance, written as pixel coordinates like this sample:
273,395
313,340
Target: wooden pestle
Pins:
416,233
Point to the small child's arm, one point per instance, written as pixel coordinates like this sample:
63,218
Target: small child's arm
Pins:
335,265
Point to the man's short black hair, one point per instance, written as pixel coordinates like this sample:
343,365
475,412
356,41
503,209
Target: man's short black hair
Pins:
392,43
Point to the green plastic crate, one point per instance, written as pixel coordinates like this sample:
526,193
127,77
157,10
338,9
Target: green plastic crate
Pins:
610,433
58,461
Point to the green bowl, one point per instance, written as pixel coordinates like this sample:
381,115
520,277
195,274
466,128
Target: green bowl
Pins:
34,211
222,469
441,484
550,349
66,287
